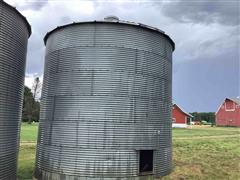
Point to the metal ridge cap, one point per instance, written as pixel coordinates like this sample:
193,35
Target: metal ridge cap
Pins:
22,16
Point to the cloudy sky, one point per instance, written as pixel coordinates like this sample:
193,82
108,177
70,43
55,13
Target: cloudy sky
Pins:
207,36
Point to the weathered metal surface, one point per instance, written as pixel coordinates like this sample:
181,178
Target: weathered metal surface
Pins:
14,33
106,95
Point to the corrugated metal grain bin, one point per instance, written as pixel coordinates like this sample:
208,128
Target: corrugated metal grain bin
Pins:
14,33
106,102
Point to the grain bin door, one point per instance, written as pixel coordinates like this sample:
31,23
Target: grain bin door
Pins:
145,162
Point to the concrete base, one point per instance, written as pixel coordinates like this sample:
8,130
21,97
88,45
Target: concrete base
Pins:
179,125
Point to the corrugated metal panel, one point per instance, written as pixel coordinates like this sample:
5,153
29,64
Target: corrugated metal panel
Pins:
106,95
14,33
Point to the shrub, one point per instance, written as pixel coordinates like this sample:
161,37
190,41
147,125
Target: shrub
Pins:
204,122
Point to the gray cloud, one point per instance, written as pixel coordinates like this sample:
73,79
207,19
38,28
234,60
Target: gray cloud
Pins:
65,20
202,84
207,43
206,12
33,5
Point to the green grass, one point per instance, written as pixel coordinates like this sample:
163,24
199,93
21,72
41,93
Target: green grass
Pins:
27,151
26,162
208,158
29,132
202,131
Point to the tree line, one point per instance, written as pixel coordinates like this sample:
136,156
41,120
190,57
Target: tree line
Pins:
31,102
204,116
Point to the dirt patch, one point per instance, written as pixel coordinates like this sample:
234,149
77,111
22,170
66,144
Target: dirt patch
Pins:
28,143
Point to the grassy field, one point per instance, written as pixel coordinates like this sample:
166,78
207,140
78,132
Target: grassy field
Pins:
27,150
203,152
29,132
206,153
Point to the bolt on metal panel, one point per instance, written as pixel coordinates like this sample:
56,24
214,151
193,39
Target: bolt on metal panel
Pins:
106,96
14,33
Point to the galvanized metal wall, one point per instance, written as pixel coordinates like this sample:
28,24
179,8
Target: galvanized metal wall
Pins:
106,95
14,33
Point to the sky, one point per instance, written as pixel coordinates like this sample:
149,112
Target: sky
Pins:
206,61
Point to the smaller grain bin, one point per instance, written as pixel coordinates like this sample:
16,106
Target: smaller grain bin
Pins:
14,33
106,102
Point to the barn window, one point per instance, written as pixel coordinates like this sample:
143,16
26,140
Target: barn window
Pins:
145,162
173,120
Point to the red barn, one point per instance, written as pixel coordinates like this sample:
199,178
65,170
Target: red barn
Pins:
228,114
180,118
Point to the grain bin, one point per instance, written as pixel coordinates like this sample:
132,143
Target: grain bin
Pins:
14,33
106,102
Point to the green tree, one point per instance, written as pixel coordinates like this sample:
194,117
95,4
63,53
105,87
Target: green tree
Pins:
204,116
35,106
31,104
36,111
27,103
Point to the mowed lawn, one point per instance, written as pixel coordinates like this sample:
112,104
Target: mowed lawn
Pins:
201,152
27,150
29,132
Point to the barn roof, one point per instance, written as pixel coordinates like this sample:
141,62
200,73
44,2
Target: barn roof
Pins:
236,100
183,110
